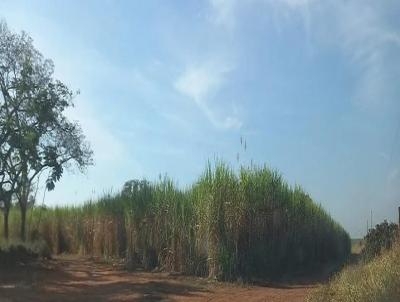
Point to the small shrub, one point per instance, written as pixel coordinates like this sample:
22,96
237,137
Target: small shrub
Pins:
16,253
379,239
41,248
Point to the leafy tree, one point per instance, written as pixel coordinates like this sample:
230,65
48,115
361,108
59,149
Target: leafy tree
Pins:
8,176
38,138
133,186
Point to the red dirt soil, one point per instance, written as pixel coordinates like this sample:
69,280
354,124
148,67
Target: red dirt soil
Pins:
80,279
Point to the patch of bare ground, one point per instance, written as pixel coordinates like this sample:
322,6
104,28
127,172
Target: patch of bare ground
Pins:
71,278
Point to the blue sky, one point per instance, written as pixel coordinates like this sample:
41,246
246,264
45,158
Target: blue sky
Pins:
311,85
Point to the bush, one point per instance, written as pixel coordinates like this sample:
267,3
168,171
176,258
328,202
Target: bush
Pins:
41,248
379,239
16,253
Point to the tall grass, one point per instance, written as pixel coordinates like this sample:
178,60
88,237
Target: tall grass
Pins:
250,224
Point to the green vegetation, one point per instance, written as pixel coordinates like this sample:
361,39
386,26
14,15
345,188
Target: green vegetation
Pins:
13,253
375,281
379,239
36,138
227,224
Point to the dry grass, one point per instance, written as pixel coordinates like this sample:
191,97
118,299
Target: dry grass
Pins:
376,281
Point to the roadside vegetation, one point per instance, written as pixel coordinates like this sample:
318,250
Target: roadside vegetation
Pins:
226,225
375,281
379,239
376,278
13,253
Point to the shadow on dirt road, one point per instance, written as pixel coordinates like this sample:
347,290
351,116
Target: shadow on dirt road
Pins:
79,279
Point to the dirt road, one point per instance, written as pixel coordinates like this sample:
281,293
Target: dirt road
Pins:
79,279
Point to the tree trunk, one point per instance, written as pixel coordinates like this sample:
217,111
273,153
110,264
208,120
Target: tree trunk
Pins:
6,212
23,201
23,223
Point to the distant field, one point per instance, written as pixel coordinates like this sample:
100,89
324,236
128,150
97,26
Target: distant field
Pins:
357,245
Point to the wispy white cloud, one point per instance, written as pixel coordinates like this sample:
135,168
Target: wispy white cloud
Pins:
359,29
223,13
367,38
200,83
